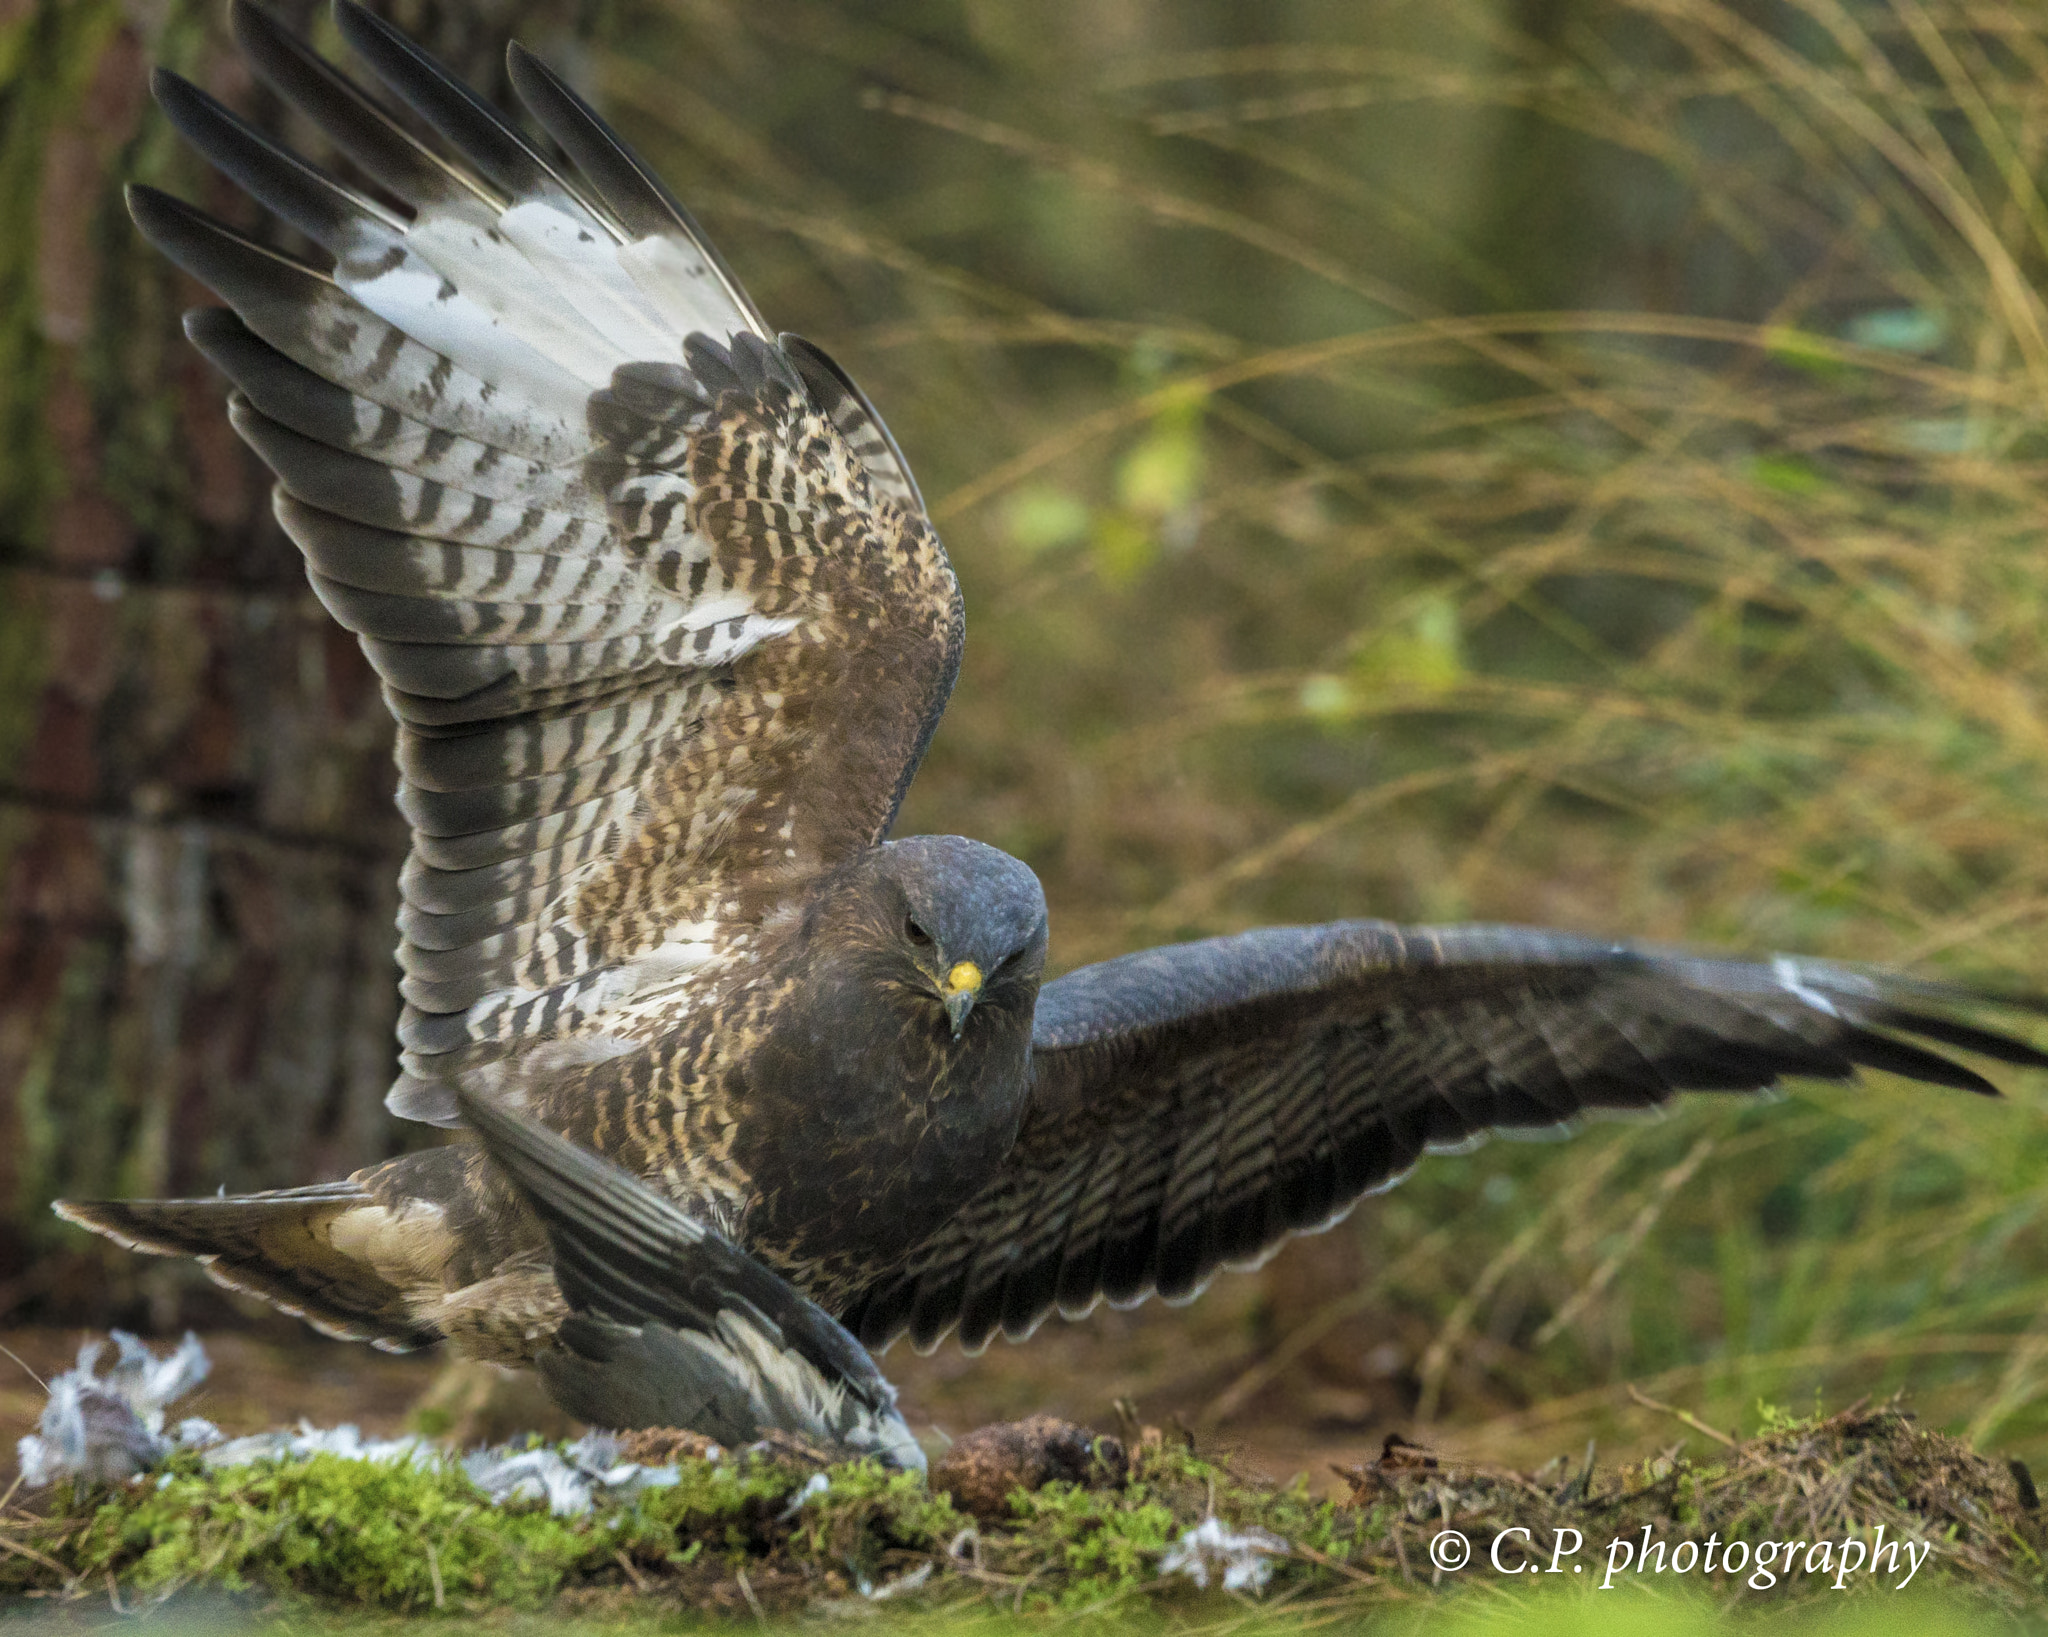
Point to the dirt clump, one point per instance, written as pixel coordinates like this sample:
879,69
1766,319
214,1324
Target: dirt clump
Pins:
986,1467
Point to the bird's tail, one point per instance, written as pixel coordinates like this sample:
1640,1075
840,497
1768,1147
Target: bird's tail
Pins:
333,1254
671,1324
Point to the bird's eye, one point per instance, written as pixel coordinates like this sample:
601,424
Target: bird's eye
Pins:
916,934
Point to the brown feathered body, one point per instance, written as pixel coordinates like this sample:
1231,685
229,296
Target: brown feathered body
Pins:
818,1110
666,630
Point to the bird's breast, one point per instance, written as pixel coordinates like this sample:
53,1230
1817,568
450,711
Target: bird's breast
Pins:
862,1141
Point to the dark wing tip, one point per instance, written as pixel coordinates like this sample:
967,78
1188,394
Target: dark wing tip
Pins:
101,1216
477,130
638,198
215,254
152,209
1968,1037
200,118
1871,1050
352,119
127,1226
165,86
1864,1001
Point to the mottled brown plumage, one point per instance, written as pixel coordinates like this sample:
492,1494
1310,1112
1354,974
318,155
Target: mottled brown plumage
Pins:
666,631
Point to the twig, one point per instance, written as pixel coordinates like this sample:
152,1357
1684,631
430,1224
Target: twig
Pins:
1667,1187
988,1576
1685,1416
1023,1586
33,1556
1328,1562
753,1602
38,1380
640,1581
434,1574
1311,1330
1436,1358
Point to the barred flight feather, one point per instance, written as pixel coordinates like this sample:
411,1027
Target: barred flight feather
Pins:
606,540
1194,1106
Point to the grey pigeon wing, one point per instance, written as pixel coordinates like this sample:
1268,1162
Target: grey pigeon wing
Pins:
663,625
1194,1105
672,1324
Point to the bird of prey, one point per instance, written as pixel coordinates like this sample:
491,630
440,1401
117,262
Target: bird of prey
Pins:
666,630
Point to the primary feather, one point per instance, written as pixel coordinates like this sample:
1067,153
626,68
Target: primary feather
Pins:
652,596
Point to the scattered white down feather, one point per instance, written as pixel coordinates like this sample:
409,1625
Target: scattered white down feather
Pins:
107,1428
571,1478
1243,1557
306,1440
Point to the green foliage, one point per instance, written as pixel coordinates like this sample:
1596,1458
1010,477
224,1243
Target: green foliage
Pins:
1157,485
1424,654
1162,472
1042,518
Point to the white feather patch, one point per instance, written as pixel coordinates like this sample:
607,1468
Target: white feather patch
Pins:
533,359
584,270
684,287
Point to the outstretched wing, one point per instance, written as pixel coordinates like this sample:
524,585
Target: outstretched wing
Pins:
1194,1105
653,596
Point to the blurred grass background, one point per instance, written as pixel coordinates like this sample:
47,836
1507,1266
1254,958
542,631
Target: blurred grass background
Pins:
1569,461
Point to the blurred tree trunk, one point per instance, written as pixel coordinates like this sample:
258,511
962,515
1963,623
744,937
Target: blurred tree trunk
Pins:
198,852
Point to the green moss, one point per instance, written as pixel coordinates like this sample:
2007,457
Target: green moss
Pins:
1104,1543
1096,1547
864,1513
377,1535
399,1537
752,1535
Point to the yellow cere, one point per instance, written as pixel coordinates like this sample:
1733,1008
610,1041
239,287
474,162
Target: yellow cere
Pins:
964,977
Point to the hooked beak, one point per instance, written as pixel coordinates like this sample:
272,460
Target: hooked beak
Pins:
962,990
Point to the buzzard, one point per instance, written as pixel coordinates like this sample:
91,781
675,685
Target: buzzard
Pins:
666,630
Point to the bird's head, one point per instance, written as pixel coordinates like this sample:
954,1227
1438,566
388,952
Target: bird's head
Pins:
960,921
895,1078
